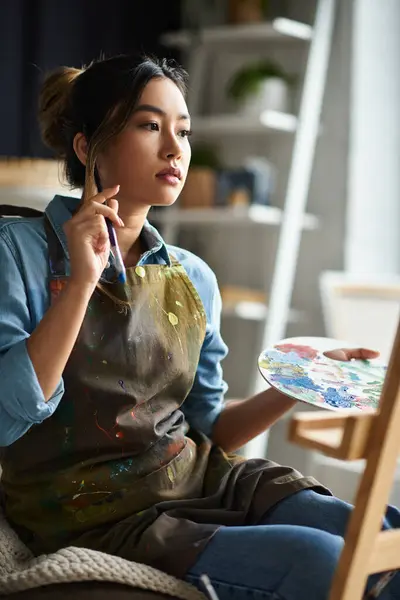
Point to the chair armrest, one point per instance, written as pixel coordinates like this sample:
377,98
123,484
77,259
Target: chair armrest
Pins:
342,435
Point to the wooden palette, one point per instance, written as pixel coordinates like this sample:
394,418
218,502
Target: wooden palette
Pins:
303,372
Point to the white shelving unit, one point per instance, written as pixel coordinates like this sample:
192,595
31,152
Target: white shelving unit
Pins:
269,122
264,215
279,30
305,128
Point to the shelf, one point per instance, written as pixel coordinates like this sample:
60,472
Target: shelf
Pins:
253,311
265,215
277,30
225,124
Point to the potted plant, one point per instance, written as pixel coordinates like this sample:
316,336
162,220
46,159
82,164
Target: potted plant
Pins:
200,187
246,11
259,86
198,14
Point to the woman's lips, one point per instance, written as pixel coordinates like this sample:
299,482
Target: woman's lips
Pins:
171,175
169,179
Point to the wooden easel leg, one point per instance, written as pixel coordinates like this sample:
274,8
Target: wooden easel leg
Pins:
373,493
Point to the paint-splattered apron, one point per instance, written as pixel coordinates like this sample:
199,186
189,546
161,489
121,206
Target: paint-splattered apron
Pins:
115,468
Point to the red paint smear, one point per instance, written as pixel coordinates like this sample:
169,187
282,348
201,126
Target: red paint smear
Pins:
101,429
302,351
175,448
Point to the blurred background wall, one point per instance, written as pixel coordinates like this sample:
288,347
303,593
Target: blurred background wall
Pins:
39,35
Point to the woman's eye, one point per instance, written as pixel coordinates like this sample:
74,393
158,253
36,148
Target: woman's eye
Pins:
185,133
151,126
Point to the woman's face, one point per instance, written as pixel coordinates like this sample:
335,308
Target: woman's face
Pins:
151,157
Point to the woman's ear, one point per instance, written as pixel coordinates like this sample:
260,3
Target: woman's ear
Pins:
81,147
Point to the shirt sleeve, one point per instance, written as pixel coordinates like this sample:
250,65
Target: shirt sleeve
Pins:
22,402
205,401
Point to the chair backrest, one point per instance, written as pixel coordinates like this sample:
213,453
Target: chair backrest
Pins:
9,210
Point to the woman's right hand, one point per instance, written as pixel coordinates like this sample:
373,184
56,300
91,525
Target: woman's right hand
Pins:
88,239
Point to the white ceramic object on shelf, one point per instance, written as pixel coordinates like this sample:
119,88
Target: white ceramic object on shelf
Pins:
273,94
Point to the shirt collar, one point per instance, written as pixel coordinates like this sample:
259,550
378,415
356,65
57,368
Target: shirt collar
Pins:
61,209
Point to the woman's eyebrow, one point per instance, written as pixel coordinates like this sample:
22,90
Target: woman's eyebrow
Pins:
158,111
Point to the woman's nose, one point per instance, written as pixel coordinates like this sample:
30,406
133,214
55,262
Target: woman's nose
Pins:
172,148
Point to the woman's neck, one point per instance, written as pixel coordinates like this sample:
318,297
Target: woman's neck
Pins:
129,239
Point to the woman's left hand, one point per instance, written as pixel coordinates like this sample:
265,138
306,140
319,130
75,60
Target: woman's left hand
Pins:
350,353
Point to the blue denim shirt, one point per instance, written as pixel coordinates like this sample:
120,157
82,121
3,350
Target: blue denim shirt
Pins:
24,299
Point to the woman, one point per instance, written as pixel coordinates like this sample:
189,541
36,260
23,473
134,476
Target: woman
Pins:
100,382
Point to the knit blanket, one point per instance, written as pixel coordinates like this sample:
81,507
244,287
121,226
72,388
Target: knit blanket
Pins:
20,570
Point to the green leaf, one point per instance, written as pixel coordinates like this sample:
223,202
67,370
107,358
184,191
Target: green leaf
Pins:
248,79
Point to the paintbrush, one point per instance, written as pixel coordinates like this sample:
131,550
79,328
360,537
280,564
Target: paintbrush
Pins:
119,263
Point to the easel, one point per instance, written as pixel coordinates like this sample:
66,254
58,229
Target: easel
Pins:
376,438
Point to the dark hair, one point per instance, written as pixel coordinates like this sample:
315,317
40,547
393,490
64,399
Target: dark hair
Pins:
98,101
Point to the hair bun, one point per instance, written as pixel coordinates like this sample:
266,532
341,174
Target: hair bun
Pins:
53,103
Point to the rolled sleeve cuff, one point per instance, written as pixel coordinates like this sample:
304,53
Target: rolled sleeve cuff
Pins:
22,396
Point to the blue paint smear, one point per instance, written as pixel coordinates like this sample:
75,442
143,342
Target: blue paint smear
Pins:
121,467
290,358
302,381
336,399
354,376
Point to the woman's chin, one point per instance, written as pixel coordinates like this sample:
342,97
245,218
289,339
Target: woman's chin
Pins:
165,200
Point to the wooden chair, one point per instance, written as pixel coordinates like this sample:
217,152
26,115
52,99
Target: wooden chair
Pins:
9,210
374,436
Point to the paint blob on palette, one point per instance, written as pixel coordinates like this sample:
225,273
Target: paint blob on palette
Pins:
303,372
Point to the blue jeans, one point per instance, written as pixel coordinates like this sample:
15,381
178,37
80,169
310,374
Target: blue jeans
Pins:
291,555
